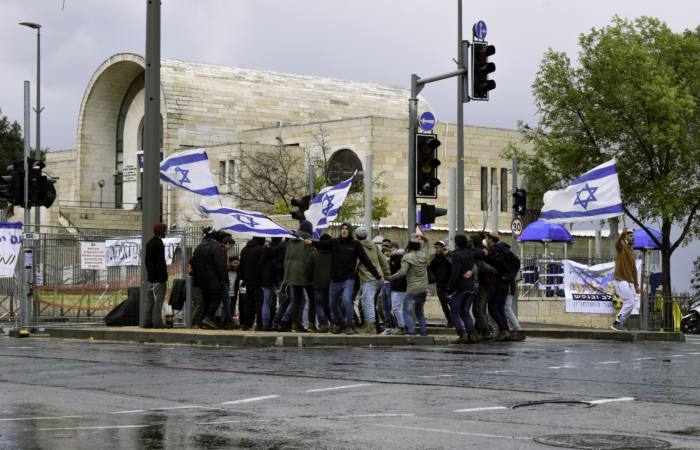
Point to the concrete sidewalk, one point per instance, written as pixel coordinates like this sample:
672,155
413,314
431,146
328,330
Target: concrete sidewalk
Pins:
437,336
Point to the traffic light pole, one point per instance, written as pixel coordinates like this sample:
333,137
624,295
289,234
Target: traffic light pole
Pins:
460,125
514,240
26,307
412,120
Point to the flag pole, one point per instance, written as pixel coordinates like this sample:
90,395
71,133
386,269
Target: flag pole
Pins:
282,226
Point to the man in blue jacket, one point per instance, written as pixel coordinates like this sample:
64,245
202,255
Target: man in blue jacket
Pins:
461,286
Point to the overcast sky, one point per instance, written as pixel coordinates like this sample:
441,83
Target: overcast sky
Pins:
381,41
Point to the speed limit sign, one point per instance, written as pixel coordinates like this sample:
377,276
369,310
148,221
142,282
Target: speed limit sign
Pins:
516,226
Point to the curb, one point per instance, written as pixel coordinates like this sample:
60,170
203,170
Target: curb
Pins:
605,335
257,340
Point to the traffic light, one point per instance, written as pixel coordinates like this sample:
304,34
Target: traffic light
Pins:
302,203
426,165
14,192
428,213
520,205
481,68
41,189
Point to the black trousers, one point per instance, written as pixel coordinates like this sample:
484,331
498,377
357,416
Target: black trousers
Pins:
444,302
252,306
297,296
212,298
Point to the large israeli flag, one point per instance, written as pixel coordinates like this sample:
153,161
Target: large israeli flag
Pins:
189,170
326,205
594,195
244,222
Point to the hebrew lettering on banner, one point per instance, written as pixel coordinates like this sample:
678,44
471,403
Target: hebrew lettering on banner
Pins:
127,251
590,289
10,243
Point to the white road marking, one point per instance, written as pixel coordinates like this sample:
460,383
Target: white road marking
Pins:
481,409
160,409
96,428
695,353
129,412
558,367
675,356
606,362
452,432
641,359
376,415
608,400
246,400
339,387
39,418
433,376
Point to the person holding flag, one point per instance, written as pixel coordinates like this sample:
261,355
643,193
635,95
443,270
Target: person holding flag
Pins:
626,281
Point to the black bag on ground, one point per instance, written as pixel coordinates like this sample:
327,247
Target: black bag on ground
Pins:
126,313
178,295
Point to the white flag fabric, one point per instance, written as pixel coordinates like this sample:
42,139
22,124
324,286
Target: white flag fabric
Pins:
326,205
10,242
189,170
594,195
244,222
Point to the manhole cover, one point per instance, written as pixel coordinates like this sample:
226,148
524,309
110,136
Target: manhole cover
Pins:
552,405
601,441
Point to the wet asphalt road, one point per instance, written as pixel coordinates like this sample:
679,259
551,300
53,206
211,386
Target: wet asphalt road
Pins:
58,394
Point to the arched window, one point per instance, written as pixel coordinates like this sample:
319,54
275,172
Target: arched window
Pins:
342,165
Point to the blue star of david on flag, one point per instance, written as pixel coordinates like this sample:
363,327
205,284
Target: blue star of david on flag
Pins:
326,205
328,202
599,189
184,173
590,198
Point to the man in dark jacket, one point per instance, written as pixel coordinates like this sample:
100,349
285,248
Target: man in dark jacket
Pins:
297,277
461,285
157,278
249,270
318,265
498,259
439,270
487,286
268,278
345,251
210,270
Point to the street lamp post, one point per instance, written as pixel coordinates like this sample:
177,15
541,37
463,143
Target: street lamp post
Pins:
38,109
101,184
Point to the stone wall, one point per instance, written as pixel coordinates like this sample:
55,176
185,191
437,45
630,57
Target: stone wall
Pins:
552,310
104,218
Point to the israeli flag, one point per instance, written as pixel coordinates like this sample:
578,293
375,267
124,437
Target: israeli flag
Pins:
594,195
245,222
326,205
189,170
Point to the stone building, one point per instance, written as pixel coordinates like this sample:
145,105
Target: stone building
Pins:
228,110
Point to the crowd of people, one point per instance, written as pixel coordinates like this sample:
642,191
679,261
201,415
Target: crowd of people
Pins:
277,281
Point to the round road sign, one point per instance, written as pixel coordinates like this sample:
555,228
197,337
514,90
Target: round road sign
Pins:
480,30
516,226
427,121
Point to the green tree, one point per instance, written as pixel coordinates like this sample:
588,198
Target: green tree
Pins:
11,144
634,96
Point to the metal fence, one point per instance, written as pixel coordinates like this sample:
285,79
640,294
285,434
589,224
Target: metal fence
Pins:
543,276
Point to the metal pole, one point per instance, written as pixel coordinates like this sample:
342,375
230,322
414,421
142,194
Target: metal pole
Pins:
369,160
647,303
24,290
151,149
452,210
460,126
514,240
494,207
614,232
598,245
187,310
312,181
412,119
37,152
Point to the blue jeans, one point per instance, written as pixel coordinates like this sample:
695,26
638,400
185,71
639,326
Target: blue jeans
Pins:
386,305
459,309
416,301
397,307
368,292
342,290
270,302
323,309
497,306
288,314
226,305
512,318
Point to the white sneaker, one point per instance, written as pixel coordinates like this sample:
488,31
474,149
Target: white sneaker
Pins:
386,332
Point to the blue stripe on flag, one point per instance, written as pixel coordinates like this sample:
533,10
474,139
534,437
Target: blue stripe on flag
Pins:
209,192
186,159
596,174
549,215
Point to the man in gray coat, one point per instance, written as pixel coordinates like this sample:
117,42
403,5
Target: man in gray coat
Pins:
414,268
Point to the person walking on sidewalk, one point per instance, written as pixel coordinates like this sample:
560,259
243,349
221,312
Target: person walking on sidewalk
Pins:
249,270
318,266
345,251
414,268
517,331
498,255
439,271
298,279
210,271
370,286
157,272
268,278
461,287
398,289
487,285
626,282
